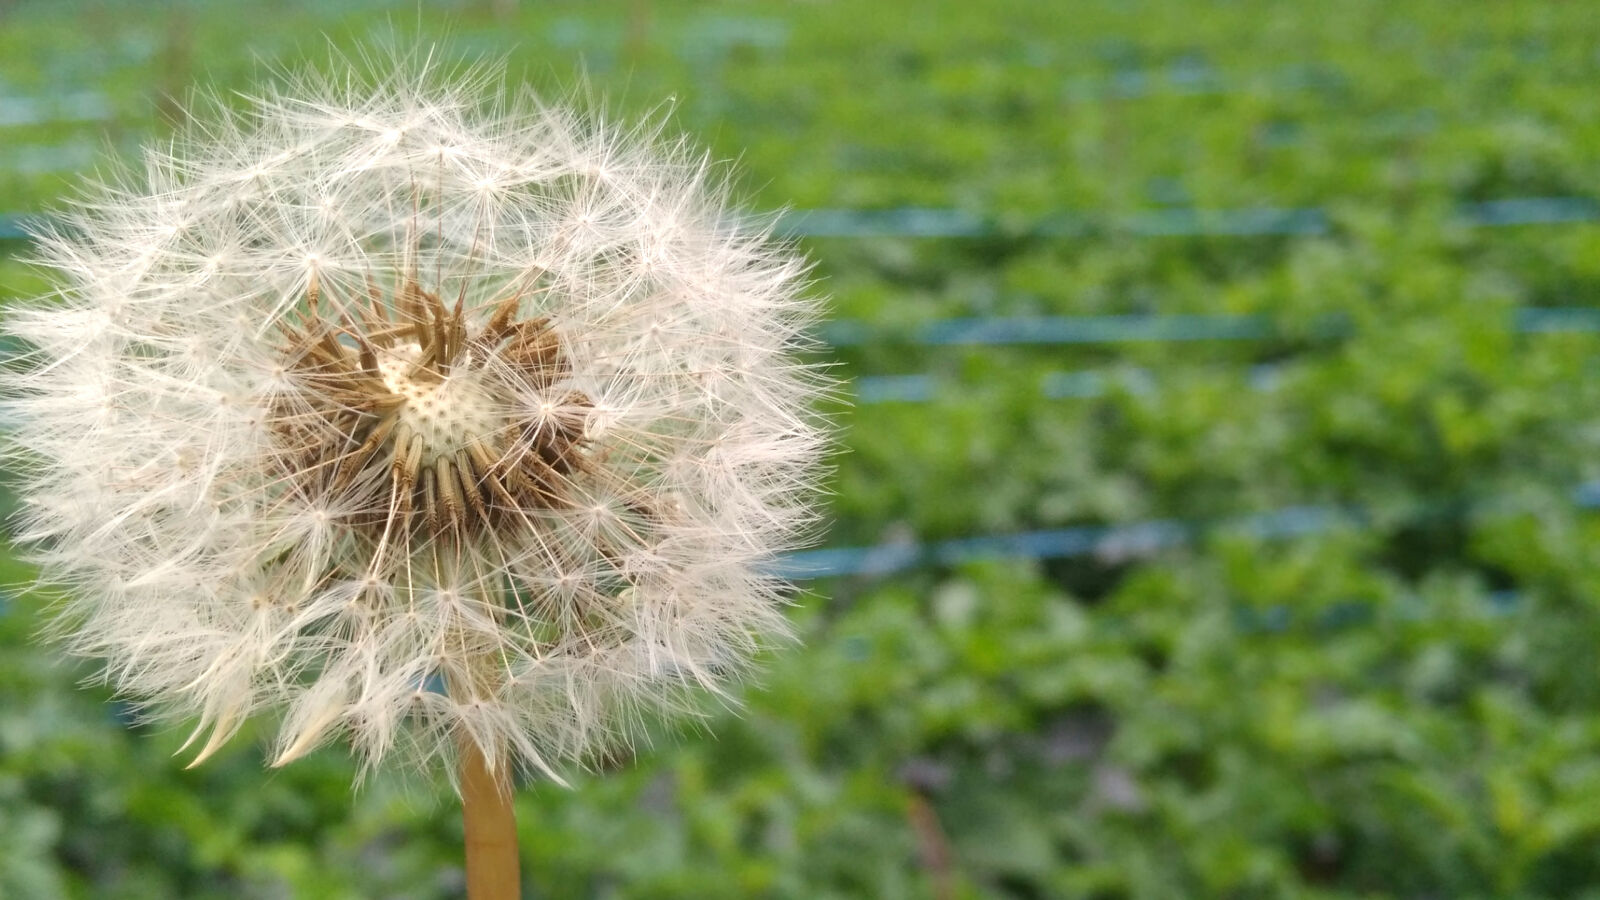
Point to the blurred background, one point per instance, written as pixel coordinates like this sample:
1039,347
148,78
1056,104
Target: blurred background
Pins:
1216,511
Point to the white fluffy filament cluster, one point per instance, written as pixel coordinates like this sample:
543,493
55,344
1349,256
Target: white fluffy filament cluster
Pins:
417,420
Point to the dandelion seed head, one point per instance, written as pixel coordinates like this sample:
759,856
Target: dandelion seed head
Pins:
417,420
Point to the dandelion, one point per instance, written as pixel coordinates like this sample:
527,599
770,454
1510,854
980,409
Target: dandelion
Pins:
461,431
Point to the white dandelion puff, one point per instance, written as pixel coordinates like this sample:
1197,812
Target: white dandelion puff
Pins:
416,420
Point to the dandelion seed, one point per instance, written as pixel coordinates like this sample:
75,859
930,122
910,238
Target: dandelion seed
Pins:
376,387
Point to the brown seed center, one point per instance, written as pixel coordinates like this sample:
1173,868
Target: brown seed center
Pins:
406,408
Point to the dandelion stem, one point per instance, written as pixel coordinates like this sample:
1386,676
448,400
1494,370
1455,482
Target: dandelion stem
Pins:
491,826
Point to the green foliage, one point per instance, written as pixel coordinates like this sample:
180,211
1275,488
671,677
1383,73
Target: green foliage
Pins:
1402,703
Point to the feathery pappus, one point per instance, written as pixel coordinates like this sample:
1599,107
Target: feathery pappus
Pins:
413,410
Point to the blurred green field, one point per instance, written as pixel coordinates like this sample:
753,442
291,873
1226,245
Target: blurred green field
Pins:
1390,691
